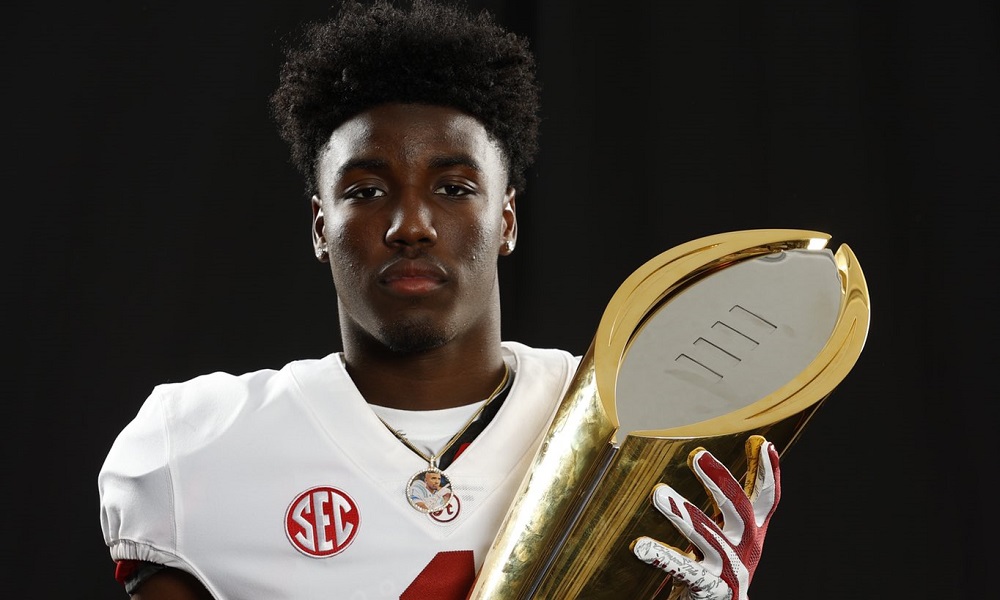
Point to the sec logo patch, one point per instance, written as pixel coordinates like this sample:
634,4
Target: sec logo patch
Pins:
322,522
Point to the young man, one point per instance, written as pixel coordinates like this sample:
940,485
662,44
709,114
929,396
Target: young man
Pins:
413,128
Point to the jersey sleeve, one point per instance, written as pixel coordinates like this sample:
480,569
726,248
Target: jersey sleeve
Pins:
136,491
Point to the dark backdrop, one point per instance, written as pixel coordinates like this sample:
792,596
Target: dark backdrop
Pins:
154,230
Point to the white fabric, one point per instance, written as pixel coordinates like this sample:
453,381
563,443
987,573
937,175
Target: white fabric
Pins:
204,476
428,430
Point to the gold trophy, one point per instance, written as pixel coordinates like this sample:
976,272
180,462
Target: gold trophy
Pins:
712,341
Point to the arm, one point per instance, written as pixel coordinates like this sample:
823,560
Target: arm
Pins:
137,502
171,584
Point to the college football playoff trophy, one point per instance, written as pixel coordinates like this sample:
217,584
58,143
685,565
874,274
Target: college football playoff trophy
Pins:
712,341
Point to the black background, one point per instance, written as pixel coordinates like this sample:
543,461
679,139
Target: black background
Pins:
154,231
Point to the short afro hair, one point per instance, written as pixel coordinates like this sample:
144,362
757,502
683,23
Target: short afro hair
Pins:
422,53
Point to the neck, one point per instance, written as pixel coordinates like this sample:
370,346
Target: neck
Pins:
452,375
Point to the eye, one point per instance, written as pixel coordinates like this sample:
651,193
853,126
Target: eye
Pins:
364,193
453,189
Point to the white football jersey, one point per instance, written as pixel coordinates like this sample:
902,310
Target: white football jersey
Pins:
284,484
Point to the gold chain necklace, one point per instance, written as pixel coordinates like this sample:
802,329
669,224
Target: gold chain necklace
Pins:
430,490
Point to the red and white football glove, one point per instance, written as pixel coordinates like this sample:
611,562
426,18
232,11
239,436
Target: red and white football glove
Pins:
731,553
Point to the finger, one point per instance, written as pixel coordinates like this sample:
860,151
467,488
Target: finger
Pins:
753,446
701,584
764,472
678,510
694,524
727,493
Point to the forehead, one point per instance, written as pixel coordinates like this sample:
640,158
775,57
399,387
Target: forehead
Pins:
412,135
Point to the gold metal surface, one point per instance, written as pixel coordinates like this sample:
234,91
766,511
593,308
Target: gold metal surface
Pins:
586,496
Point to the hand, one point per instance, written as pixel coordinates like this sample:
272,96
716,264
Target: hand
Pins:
731,553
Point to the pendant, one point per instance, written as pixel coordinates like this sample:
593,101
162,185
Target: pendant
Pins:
429,490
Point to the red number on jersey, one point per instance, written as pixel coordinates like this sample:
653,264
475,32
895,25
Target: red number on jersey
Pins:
449,576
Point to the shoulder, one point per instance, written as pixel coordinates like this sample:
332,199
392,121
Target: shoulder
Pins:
179,418
548,368
179,425
215,401
549,356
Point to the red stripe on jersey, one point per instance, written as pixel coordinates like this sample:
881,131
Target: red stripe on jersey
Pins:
449,576
124,569
461,449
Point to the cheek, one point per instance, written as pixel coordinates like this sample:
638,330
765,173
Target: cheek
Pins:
345,237
481,247
345,242
482,242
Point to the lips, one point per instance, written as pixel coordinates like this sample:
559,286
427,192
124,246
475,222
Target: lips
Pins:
412,277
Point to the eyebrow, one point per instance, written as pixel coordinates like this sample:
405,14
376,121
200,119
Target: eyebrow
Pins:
368,164
438,162
457,160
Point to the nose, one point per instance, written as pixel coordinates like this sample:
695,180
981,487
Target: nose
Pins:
412,222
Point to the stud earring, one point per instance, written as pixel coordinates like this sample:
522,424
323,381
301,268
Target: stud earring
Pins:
321,251
508,246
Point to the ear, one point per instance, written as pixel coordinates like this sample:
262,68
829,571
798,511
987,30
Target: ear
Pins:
509,237
318,237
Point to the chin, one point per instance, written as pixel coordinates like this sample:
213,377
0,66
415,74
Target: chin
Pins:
407,337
